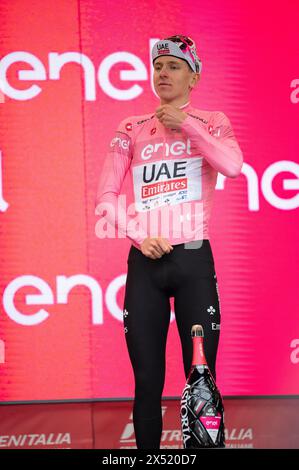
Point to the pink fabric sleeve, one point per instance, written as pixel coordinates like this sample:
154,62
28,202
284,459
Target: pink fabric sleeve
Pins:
116,164
217,144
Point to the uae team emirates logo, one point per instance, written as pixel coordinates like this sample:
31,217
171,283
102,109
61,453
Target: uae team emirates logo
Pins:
163,48
166,176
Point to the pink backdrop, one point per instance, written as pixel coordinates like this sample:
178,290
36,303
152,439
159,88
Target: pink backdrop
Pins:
63,93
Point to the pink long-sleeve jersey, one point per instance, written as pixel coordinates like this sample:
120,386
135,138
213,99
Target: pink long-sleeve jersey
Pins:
173,172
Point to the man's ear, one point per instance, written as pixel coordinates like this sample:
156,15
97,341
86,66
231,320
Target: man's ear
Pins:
197,76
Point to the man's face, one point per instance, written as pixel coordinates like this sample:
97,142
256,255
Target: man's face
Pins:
172,78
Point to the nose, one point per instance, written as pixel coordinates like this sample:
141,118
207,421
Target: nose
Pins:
163,72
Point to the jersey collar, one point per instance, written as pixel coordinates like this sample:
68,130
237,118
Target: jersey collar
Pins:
185,105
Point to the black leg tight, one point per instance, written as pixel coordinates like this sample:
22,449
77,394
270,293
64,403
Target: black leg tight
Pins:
189,276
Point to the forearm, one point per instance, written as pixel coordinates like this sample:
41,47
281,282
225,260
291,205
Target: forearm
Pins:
109,206
224,155
115,220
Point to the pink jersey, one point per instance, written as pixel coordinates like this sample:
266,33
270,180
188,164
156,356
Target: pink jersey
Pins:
173,172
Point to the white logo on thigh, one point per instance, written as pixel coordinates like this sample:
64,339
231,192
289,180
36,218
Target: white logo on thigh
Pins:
215,326
211,310
125,314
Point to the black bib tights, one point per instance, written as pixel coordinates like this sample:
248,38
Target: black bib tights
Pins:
187,273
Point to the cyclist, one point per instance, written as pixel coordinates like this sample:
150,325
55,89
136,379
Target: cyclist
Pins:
174,156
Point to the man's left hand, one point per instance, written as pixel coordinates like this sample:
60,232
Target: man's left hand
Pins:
170,116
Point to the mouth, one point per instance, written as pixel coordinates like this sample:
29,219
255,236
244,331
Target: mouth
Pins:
164,84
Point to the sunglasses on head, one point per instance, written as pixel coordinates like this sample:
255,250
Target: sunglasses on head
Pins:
185,43
184,39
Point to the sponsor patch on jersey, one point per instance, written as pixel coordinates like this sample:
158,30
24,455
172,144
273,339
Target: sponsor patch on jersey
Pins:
169,182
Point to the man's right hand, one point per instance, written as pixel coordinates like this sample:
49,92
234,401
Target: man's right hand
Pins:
155,248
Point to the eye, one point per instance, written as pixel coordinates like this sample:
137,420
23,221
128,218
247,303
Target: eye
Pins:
171,66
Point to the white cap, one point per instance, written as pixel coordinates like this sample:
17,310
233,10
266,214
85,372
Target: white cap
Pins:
179,46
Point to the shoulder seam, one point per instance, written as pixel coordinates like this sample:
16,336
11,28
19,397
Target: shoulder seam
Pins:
197,117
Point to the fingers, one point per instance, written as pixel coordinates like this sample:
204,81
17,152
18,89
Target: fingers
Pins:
157,251
155,248
166,121
164,245
171,118
160,246
161,109
160,114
